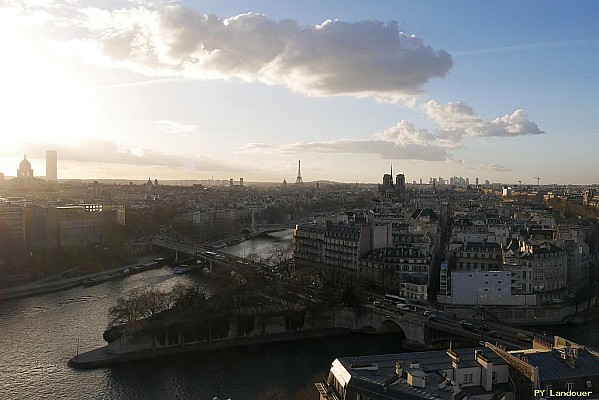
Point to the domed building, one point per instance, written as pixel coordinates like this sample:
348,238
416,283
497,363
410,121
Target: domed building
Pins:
25,170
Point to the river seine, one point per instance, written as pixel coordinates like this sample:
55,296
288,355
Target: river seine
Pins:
38,335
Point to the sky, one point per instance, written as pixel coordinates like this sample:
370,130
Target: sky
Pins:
130,89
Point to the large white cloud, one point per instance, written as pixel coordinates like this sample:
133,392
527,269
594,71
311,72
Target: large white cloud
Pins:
364,58
455,120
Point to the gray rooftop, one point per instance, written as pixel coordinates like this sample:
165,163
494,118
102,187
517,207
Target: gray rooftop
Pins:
552,367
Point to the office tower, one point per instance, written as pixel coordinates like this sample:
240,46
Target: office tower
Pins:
51,165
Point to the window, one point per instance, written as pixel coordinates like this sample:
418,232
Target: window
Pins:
468,378
548,389
494,377
569,386
589,384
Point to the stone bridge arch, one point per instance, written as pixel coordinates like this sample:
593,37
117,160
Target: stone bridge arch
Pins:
412,328
389,326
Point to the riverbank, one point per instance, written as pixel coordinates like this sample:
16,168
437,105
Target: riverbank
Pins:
48,286
101,358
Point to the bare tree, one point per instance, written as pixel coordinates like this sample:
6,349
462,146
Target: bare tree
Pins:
145,305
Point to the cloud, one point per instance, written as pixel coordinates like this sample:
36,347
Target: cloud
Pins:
364,58
176,128
484,167
529,46
404,140
383,148
457,119
101,151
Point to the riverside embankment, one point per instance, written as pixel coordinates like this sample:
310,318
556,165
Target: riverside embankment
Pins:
137,341
102,357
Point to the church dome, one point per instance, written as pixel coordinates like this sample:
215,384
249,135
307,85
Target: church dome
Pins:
25,170
25,164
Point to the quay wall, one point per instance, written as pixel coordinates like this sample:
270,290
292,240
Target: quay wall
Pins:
138,345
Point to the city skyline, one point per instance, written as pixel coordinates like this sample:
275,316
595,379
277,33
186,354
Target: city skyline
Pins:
194,90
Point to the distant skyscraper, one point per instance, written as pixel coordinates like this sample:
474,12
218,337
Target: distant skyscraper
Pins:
51,165
298,180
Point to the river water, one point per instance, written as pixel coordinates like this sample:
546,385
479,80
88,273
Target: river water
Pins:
262,246
38,335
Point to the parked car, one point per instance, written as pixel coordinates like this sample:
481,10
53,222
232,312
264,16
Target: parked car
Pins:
495,334
432,316
403,307
484,328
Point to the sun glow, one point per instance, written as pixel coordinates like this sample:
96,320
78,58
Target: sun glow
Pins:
39,101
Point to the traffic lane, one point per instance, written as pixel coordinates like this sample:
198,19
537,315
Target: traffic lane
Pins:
508,341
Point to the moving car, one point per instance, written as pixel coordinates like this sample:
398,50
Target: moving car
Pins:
432,316
523,337
467,325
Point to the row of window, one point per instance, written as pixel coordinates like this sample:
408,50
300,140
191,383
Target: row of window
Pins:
475,265
480,255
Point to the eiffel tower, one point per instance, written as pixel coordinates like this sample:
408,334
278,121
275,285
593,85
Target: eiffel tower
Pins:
298,180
